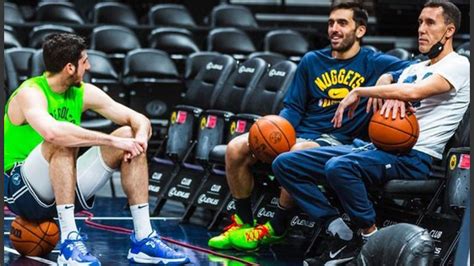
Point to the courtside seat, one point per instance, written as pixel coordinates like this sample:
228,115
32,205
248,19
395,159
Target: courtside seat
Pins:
400,53
39,34
270,90
410,188
170,15
230,41
287,42
60,12
175,41
12,13
269,57
194,63
114,13
153,82
232,16
37,63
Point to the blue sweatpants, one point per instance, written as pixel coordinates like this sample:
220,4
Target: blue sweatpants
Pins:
347,169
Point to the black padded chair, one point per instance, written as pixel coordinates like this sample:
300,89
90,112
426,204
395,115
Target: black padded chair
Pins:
115,41
170,15
240,85
400,53
178,43
12,14
153,82
103,75
194,63
174,41
287,42
269,57
10,76
464,49
9,38
21,58
37,63
60,12
114,13
38,34
232,16
230,41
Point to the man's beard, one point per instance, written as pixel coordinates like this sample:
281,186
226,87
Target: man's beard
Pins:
346,43
75,80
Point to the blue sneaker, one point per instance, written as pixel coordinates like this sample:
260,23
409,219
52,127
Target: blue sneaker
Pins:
152,250
73,252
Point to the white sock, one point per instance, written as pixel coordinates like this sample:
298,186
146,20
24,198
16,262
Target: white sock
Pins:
366,236
339,227
141,221
67,223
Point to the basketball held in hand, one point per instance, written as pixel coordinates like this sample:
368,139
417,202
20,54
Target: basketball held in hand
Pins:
34,238
270,136
394,135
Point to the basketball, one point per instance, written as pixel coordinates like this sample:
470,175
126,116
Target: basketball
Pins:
270,136
394,135
34,238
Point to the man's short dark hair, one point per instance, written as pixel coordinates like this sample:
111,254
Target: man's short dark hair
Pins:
59,49
451,12
360,15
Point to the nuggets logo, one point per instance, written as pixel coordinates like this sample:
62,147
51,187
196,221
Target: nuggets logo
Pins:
275,137
452,162
203,123
338,84
173,118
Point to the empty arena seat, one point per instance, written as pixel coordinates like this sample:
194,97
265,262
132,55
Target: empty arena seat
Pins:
287,42
114,13
194,63
241,85
115,41
230,41
400,53
20,58
10,76
232,16
103,75
9,38
12,13
61,12
269,57
174,41
464,49
172,15
38,34
37,63
152,80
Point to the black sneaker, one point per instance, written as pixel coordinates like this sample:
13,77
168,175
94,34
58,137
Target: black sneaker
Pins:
339,252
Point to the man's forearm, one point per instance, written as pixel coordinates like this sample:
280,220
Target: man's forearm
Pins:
398,91
70,135
141,126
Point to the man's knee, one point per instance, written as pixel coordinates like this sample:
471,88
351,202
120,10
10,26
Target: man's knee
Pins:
280,164
304,145
336,169
49,149
124,132
237,150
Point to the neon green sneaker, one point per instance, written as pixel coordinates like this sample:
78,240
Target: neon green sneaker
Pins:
222,241
254,237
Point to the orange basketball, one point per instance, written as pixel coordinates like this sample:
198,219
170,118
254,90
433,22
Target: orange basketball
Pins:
270,136
394,135
34,238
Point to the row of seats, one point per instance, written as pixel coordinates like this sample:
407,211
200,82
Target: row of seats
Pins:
120,39
120,14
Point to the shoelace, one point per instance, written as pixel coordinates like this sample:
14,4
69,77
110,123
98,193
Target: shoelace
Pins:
78,242
162,245
259,232
232,225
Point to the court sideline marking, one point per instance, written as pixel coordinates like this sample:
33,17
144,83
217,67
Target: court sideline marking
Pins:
11,250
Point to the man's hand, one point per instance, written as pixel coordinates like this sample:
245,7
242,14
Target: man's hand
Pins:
395,105
375,104
350,101
131,146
